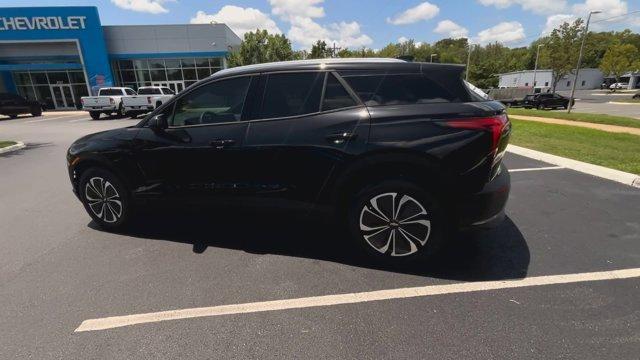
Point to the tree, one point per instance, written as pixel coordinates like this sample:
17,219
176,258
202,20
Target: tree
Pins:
620,59
260,47
319,50
560,52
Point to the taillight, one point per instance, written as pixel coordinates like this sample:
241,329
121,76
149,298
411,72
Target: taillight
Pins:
494,124
82,101
148,99
112,101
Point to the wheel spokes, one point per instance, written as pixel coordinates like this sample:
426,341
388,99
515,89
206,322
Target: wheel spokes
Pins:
103,199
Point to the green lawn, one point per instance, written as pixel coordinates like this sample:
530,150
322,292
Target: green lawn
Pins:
6,143
590,118
616,151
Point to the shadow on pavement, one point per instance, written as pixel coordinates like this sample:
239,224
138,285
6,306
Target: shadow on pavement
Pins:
495,254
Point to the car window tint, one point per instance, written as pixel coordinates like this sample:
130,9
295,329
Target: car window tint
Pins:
168,91
149,91
217,102
400,89
129,91
110,92
335,95
291,94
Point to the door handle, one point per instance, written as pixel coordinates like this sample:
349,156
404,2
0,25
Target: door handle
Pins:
340,138
221,144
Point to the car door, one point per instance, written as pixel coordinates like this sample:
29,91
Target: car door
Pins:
200,153
303,128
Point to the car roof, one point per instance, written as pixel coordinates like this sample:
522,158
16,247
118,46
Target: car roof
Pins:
334,63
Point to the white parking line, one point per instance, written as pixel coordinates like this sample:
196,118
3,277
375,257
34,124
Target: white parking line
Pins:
536,169
49,118
352,298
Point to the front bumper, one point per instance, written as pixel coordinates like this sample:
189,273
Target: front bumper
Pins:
486,207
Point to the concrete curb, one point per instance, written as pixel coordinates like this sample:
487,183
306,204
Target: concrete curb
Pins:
595,170
19,145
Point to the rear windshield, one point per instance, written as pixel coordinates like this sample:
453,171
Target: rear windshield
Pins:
149,91
402,89
110,92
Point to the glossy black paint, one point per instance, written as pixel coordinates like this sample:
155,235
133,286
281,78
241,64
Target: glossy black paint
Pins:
545,101
319,159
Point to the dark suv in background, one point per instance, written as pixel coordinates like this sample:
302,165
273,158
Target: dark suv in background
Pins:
546,101
13,105
399,151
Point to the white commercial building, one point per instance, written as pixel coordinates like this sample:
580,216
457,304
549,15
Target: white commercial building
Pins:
587,79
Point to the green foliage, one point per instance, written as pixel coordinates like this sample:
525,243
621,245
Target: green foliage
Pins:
560,51
319,50
620,59
260,47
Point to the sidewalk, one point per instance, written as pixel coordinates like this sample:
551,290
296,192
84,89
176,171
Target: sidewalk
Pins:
602,127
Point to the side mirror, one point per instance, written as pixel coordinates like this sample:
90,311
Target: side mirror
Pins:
158,122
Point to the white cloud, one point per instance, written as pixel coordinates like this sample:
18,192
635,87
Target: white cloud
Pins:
292,8
424,11
555,21
504,32
305,32
609,8
147,6
240,20
535,6
403,39
451,29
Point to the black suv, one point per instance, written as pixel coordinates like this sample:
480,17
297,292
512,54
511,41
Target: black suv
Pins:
546,101
399,151
13,105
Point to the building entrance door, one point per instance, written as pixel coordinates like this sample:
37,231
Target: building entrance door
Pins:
62,97
176,86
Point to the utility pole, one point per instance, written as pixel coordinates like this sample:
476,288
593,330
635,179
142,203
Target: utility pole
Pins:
466,75
575,78
535,69
334,50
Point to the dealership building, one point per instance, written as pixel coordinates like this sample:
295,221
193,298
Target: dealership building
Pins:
58,54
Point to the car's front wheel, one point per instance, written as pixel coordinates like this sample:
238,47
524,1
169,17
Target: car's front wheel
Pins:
105,198
396,221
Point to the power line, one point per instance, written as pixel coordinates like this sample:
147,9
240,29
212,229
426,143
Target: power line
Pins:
617,16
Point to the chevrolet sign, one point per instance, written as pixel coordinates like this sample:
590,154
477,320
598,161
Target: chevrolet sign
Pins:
43,23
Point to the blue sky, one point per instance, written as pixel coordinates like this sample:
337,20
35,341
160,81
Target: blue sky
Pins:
353,23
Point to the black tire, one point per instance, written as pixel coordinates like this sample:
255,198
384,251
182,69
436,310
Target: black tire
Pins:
13,116
36,111
101,192
158,104
95,115
540,107
378,244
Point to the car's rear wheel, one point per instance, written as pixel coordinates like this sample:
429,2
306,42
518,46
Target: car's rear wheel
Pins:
396,221
121,111
36,110
540,107
105,198
95,115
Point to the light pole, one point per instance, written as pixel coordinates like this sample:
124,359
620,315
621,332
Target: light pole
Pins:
575,78
535,68
466,76
432,55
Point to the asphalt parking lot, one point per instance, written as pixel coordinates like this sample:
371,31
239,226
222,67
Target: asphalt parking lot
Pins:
58,270
604,102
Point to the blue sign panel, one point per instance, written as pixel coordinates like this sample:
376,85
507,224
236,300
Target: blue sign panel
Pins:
62,23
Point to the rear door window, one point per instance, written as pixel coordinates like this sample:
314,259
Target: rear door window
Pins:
335,95
149,91
291,94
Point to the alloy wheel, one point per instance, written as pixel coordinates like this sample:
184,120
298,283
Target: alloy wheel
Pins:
103,199
395,224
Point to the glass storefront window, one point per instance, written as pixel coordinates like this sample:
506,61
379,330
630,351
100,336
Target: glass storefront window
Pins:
158,75
22,78
174,74
58,78
172,63
143,75
203,73
126,64
78,92
156,64
44,96
27,92
77,77
188,62
141,64
189,74
39,78
216,62
202,62
128,76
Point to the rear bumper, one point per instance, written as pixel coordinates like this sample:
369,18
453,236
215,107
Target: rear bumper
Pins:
140,108
99,108
486,207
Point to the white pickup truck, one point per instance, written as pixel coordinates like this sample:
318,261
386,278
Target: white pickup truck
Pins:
148,99
108,101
